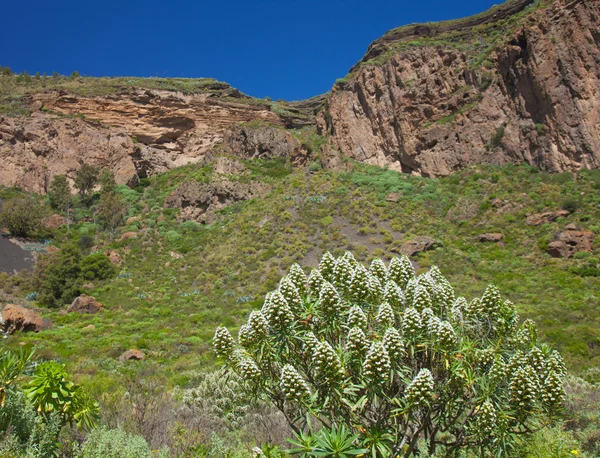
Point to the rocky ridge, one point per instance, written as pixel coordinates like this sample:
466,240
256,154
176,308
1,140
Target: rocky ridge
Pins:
431,106
136,132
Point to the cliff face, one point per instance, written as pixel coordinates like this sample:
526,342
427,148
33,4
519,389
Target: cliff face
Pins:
427,109
137,132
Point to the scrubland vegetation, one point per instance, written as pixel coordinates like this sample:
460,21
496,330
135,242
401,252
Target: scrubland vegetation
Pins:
178,281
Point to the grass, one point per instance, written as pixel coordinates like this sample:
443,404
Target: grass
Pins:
14,90
180,280
478,42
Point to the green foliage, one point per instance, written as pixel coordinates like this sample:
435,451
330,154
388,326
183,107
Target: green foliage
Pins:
86,178
59,194
496,139
107,181
21,216
97,266
571,205
115,443
341,349
540,128
60,277
112,211
51,392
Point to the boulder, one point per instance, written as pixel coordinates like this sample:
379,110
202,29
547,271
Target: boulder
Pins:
115,258
18,318
199,202
128,235
85,304
546,217
393,197
417,245
132,354
493,237
497,203
53,222
569,242
261,141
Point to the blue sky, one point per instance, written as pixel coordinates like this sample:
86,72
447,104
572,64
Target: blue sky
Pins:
282,49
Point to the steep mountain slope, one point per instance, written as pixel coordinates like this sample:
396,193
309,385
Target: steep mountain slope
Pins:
520,83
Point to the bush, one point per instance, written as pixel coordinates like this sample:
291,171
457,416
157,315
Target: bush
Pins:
97,266
496,139
571,205
59,276
21,216
396,358
114,443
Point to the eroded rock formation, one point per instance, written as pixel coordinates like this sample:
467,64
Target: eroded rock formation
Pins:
199,202
136,133
429,110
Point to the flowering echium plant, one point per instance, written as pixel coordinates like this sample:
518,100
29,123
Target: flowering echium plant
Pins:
379,349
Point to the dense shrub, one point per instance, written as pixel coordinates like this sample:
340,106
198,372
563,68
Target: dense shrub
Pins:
59,276
97,266
396,358
21,216
115,443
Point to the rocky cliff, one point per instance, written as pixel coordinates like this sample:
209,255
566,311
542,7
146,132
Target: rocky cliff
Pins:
520,83
136,131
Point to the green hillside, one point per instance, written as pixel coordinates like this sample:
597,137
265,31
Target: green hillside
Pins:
180,280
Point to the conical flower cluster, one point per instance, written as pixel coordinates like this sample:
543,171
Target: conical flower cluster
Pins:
485,357
249,370
498,370
342,273
357,318
379,270
491,302
420,390
446,336
523,389
329,300
553,392
375,288
421,299
527,335
401,271
393,295
310,344
255,331
537,361
392,341
385,315
377,363
327,364
289,291
298,278
280,315
443,295
292,384
411,323
357,341
556,364
410,290
223,343
486,418
456,311
326,266
517,361
359,289
315,281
